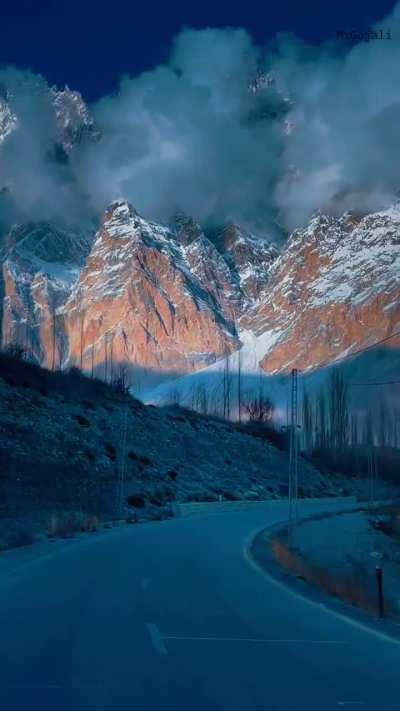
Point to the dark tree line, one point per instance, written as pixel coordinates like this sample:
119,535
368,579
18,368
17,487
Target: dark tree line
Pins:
335,429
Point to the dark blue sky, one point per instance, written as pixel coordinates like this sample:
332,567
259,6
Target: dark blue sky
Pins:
88,45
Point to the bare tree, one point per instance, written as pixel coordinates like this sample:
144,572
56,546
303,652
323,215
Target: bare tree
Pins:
175,396
354,429
199,398
226,381
259,408
383,427
239,385
338,410
368,432
308,423
321,424
120,379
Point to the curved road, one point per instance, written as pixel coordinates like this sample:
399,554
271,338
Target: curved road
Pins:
172,616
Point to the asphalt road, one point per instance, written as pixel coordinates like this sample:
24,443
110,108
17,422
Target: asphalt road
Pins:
170,616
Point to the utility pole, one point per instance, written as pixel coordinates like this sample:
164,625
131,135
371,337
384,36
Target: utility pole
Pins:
293,454
372,471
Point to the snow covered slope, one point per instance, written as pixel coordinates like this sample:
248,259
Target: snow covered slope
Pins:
168,301
147,299
156,300
333,290
41,261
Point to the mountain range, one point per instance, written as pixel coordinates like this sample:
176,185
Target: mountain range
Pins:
161,301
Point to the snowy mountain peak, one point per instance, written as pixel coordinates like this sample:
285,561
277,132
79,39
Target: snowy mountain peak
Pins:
176,299
73,118
71,114
120,209
120,218
8,120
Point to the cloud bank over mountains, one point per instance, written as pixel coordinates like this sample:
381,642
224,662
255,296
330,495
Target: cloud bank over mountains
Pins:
225,131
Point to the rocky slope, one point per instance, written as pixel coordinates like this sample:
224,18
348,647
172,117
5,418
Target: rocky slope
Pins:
334,289
141,300
151,299
41,262
65,438
159,301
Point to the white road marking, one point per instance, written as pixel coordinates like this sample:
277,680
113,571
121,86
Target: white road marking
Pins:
352,703
68,685
252,639
35,686
156,638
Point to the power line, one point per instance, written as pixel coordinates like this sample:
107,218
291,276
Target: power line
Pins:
359,350
384,382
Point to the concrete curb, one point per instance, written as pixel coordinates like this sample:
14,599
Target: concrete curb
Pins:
185,510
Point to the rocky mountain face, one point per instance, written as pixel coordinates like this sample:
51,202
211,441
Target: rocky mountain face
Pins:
70,112
142,300
158,300
139,296
41,262
334,289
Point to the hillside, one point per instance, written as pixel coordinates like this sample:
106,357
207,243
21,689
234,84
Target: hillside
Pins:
64,440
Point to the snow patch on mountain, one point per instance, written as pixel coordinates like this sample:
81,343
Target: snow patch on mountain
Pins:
185,390
8,120
374,248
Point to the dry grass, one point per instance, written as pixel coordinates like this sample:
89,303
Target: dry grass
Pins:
69,523
352,587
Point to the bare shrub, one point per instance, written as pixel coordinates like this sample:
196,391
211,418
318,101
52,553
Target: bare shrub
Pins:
258,408
120,380
65,525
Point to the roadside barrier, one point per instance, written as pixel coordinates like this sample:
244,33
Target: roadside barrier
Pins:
186,510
